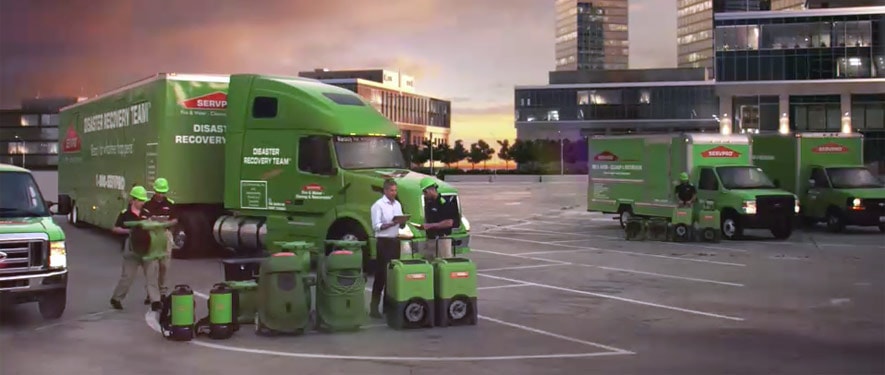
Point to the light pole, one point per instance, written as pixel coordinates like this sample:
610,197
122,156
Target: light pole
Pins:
561,164
21,149
431,154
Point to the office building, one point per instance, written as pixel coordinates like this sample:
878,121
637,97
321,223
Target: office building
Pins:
591,35
419,117
694,29
787,4
580,103
29,135
815,69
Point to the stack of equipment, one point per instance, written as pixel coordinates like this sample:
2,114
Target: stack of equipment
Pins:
340,288
409,294
634,229
708,224
682,224
177,315
455,291
245,296
221,322
284,291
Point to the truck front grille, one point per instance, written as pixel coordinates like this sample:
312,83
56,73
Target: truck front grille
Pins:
775,205
22,255
875,206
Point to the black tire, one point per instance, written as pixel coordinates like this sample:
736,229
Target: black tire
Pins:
835,220
624,214
807,221
730,226
190,236
74,217
52,304
681,233
782,231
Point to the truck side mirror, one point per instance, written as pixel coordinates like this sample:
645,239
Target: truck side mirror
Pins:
64,205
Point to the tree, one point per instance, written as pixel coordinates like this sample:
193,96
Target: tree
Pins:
458,153
421,154
504,152
486,151
521,152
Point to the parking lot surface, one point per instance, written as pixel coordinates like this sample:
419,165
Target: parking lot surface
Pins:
561,292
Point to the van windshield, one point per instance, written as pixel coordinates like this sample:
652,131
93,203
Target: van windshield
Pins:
20,196
744,178
357,152
853,178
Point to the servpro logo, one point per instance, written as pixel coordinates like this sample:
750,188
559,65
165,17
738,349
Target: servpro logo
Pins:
416,276
312,187
459,275
830,148
212,102
72,140
720,152
605,156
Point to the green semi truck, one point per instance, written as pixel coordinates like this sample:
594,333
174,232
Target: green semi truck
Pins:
33,258
637,174
826,171
251,160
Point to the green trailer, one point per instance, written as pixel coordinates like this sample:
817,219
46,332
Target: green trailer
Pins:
635,175
251,160
826,171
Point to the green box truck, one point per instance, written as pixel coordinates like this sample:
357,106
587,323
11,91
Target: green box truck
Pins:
33,258
826,171
251,160
637,174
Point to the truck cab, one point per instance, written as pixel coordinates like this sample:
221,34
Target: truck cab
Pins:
306,161
843,195
746,198
33,261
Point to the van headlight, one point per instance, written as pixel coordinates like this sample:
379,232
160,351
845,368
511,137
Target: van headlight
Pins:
750,207
405,232
796,206
465,224
57,255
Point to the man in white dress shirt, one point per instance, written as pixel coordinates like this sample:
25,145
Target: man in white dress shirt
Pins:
386,229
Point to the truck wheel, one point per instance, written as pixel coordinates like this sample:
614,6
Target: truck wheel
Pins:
731,227
52,304
624,215
808,222
188,236
835,223
74,217
782,231
350,231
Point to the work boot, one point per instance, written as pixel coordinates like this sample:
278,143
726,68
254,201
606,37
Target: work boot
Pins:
156,306
373,307
116,304
147,301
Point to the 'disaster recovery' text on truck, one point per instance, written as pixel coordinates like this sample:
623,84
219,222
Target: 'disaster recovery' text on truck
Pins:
637,174
826,171
250,160
33,258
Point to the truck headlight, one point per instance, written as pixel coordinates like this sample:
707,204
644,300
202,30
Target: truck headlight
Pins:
750,207
57,255
796,207
856,204
405,232
465,223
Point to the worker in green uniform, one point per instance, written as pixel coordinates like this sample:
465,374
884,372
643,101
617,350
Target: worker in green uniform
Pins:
132,259
162,208
440,216
685,191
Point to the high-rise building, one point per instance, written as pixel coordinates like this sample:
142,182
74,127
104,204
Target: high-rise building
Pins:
787,4
694,31
591,35
29,135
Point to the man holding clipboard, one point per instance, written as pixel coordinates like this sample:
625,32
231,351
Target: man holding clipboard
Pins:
440,216
387,219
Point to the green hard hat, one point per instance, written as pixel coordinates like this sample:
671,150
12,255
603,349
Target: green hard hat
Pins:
683,176
161,185
138,192
427,182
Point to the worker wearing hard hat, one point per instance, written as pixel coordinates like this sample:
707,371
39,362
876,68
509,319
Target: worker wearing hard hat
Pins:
685,191
440,216
162,207
133,255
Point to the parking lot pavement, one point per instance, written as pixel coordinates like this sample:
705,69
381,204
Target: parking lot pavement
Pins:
560,292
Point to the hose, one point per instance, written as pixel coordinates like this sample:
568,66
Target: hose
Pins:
335,289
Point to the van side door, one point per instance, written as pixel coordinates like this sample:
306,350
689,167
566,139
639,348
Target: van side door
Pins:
708,186
817,193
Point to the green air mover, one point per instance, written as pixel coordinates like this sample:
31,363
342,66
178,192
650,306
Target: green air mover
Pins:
455,291
284,292
340,291
708,224
682,224
148,238
245,295
221,322
177,314
409,294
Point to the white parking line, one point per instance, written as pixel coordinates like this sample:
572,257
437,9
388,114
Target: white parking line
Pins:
696,312
564,263
613,251
501,286
517,267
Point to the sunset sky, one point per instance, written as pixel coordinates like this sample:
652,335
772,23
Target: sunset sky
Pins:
472,52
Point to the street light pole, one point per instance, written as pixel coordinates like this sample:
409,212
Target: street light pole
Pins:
561,164
431,153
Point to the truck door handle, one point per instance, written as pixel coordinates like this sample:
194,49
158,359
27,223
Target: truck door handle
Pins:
298,202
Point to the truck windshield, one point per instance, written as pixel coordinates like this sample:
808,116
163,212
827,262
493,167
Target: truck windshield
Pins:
20,197
368,153
853,178
744,178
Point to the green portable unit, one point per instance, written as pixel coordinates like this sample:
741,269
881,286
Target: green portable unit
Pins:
148,238
634,229
455,292
409,294
245,295
340,291
221,322
177,314
656,229
708,225
284,293
681,224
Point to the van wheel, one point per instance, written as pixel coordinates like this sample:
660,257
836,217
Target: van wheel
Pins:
731,227
624,215
52,304
782,231
835,222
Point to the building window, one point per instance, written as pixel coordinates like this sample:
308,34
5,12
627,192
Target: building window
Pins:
49,120
30,120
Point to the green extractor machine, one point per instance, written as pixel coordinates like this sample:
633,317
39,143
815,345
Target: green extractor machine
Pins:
340,288
284,299
709,223
682,224
409,295
246,295
455,291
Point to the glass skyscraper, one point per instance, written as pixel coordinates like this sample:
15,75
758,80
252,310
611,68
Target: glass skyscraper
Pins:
591,35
